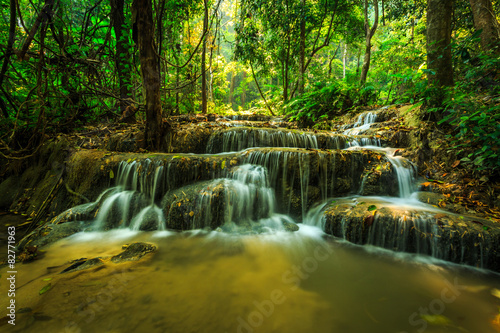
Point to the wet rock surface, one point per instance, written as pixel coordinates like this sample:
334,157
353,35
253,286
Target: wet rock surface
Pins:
192,191
456,238
50,233
134,252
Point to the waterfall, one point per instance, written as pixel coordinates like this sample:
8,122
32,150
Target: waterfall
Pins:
298,177
132,203
237,139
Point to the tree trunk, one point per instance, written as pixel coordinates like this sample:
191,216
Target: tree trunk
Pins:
383,13
243,97
344,60
203,63
285,72
260,91
122,58
43,15
231,90
8,51
439,61
485,20
368,41
302,51
143,34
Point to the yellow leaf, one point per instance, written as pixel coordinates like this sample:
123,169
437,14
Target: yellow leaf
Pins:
179,204
111,174
191,213
496,323
223,164
495,292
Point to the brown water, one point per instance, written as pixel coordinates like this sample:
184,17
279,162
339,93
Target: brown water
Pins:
211,282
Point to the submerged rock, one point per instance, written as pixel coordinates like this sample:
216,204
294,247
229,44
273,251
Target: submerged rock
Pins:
133,252
82,264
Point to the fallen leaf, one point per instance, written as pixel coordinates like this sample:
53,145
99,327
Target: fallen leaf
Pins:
111,174
475,289
496,323
45,289
438,320
372,208
455,164
439,215
495,292
191,213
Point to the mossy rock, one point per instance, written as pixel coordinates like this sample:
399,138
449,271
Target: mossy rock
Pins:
133,252
50,233
446,236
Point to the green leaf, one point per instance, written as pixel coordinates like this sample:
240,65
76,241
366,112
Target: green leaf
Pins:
111,174
372,208
437,320
45,289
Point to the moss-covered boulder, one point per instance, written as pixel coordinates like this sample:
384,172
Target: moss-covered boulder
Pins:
416,228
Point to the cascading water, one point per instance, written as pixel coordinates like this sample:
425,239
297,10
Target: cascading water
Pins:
364,122
269,187
251,262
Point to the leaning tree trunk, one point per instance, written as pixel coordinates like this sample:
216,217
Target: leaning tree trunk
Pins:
143,34
369,32
485,20
439,61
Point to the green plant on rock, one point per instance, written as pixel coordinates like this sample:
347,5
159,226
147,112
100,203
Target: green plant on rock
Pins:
327,101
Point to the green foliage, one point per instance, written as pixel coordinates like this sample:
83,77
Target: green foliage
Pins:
472,109
476,130
328,101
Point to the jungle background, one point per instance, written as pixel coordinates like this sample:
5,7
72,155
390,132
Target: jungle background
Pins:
69,64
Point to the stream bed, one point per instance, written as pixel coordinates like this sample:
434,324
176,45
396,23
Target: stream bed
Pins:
201,281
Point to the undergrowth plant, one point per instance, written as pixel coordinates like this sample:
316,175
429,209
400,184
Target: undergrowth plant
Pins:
327,101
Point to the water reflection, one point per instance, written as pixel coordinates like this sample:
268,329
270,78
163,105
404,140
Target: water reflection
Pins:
279,282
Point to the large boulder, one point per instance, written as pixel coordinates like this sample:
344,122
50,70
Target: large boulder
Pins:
415,228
